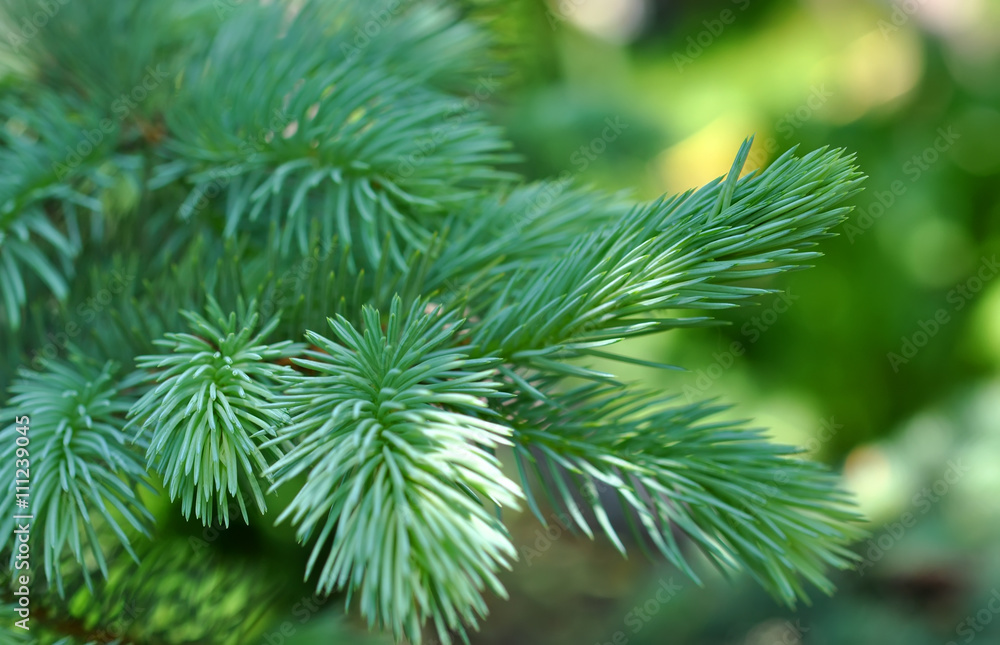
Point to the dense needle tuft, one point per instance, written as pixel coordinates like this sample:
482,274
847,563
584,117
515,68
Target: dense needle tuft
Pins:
84,476
395,440
208,415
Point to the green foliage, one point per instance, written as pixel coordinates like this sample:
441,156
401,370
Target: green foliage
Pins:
748,503
679,253
84,474
360,143
209,414
352,183
400,469
29,239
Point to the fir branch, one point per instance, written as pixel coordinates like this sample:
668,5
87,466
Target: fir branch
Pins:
84,475
398,464
37,144
374,153
496,234
677,253
209,415
98,51
427,42
746,502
